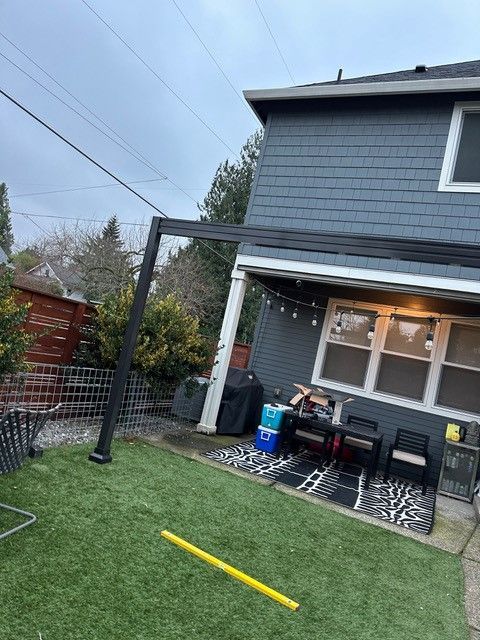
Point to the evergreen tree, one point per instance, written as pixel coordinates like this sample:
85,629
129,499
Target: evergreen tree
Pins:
105,265
227,201
6,231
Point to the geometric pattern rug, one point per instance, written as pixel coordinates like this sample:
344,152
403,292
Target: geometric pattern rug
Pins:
396,500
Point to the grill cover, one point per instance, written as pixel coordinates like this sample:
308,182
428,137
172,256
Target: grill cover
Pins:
241,404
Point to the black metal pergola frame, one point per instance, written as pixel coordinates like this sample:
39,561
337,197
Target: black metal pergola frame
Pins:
323,242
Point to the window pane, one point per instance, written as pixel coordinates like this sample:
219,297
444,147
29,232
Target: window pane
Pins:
467,165
459,389
407,335
345,364
402,377
355,326
464,345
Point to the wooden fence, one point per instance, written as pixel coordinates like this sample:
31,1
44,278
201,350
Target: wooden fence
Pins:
58,321
61,319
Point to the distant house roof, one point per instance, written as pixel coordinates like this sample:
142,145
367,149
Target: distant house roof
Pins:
68,277
457,77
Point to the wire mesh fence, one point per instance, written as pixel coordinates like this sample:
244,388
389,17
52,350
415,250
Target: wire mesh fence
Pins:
83,394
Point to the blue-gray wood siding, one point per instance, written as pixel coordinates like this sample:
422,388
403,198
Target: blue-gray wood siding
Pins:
363,166
284,352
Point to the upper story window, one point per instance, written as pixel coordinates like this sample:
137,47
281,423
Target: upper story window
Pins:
461,164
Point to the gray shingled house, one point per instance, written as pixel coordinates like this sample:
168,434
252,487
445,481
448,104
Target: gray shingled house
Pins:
398,155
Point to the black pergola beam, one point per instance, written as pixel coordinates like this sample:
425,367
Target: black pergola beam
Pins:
467,255
432,251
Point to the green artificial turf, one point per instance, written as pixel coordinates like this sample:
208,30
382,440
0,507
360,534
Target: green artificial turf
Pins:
94,566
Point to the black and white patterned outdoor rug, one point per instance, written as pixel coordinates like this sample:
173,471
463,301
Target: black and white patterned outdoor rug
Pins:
396,500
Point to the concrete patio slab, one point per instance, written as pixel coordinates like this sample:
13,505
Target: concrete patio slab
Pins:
472,550
472,592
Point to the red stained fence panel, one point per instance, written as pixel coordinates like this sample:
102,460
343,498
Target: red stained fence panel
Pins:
57,321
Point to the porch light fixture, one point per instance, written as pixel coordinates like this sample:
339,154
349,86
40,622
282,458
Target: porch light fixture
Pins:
429,340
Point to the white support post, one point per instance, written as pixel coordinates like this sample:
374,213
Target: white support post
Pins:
208,421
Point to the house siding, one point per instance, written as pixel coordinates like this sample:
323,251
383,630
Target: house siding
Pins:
284,352
367,166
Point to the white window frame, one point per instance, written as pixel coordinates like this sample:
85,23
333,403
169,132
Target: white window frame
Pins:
442,333
446,183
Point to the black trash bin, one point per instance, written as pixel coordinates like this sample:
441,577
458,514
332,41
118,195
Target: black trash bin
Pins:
240,409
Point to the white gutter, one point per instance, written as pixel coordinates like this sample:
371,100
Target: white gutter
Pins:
364,89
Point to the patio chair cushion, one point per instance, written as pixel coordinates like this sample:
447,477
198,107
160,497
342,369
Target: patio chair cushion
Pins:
308,435
412,458
357,442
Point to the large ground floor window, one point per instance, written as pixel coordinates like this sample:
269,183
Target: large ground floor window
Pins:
399,356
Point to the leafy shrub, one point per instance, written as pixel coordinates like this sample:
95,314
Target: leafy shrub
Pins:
169,346
14,340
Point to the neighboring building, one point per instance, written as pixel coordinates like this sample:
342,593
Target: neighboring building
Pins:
69,281
396,155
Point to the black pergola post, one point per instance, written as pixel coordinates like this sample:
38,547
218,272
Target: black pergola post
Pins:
101,454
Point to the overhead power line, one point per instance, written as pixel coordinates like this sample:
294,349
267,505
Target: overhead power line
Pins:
149,164
107,135
274,41
82,153
75,218
82,104
159,78
96,186
214,60
101,167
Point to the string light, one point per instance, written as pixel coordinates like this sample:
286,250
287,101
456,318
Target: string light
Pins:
429,340
391,316
314,320
269,302
338,327
295,312
371,332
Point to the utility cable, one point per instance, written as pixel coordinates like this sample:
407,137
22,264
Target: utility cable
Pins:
82,104
159,78
214,60
274,41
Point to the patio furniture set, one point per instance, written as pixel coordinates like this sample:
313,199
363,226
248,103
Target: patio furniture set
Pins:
290,429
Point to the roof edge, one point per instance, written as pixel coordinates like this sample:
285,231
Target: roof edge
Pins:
398,87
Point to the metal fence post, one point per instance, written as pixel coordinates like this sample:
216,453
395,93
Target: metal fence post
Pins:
101,453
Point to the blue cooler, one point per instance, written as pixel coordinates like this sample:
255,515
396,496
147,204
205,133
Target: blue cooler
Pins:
273,415
268,440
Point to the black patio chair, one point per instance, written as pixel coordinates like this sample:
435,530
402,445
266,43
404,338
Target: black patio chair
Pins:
364,423
18,430
412,448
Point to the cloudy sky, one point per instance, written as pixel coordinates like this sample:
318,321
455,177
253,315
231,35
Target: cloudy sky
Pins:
315,37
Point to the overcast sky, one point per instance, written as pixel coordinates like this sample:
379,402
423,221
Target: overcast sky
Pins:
316,37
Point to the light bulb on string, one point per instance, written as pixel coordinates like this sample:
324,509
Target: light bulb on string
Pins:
338,327
282,308
269,302
393,316
371,329
430,336
264,295
314,319
254,288
295,312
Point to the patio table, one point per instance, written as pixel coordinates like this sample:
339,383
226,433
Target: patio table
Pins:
343,430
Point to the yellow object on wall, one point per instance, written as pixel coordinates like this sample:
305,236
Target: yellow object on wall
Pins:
239,575
453,432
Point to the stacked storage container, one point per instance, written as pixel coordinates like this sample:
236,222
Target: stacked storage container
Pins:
268,433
